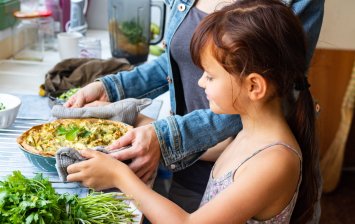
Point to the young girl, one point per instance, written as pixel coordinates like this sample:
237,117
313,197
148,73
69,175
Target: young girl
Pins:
254,57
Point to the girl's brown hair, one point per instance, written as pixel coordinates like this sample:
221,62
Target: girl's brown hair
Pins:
265,37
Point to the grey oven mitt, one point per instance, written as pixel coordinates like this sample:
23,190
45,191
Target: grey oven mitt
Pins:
125,110
66,156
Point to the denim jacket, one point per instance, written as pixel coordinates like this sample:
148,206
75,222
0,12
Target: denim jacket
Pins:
184,138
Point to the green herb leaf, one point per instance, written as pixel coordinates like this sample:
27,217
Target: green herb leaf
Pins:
71,133
133,31
30,218
61,130
66,95
32,201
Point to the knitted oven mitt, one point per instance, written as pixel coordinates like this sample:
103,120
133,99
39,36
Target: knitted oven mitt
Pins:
125,110
66,156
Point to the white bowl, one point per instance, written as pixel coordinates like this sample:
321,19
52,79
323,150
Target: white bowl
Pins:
12,105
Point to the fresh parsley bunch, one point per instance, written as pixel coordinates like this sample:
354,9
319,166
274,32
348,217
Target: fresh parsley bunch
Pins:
24,200
28,201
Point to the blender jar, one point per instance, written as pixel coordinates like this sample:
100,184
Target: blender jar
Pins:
129,28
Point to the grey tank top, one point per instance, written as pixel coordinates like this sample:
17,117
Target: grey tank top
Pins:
216,185
195,97
195,177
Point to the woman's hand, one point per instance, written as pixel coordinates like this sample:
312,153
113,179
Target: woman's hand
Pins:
100,171
144,153
88,96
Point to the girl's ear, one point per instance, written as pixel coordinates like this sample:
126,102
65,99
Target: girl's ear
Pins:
256,85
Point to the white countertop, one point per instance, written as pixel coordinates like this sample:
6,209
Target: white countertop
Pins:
25,77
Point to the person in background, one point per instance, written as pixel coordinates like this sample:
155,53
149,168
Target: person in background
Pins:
253,54
178,141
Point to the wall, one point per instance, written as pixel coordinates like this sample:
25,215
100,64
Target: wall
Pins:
338,30
5,43
97,14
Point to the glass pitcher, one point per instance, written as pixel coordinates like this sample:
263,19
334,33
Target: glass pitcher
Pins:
131,30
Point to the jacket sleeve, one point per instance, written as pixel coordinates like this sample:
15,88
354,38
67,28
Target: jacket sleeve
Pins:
310,12
184,138
144,81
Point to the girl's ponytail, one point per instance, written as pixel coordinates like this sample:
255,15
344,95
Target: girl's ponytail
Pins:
301,120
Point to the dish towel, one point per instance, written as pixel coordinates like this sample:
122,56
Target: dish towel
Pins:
75,72
66,156
125,111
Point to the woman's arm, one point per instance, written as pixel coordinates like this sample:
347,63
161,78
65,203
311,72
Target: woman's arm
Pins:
183,139
144,81
310,12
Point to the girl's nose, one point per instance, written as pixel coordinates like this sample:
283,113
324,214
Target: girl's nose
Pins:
202,81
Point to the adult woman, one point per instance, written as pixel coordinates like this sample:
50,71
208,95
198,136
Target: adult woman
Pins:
180,140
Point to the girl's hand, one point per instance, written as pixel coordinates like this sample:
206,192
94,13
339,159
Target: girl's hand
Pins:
100,171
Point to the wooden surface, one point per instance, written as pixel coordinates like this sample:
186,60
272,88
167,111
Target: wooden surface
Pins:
349,161
329,75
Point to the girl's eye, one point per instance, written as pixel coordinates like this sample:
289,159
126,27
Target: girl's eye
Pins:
209,78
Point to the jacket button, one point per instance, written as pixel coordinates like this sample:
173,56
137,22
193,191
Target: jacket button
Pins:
172,166
181,7
164,44
169,79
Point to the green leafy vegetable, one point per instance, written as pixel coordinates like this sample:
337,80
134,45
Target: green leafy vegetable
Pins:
66,95
73,132
102,208
29,201
156,50
133,31
154,30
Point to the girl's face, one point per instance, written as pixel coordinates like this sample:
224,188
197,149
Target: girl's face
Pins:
221,88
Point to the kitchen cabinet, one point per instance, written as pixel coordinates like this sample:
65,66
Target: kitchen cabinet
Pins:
329,76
